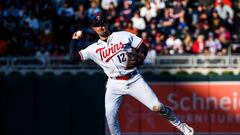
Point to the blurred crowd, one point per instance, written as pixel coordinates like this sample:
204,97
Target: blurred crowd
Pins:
168,27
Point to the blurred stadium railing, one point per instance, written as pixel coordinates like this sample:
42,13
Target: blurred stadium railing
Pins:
58,65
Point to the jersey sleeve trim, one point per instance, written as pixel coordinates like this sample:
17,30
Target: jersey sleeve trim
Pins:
139,44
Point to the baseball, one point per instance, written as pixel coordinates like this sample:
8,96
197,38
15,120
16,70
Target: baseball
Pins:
79,33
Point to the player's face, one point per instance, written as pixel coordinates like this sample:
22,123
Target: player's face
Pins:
101,29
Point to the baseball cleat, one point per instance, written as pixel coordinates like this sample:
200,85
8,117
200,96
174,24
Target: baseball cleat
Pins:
185,129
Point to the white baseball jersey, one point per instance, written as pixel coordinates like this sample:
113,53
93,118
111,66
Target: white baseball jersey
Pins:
111,55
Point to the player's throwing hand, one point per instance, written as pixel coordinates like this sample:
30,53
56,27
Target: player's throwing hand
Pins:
77,35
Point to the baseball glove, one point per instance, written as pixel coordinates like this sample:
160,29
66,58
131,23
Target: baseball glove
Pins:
135,59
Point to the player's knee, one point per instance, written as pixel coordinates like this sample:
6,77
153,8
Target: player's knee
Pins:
156,108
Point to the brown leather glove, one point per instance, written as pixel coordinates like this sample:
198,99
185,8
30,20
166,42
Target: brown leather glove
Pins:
135,59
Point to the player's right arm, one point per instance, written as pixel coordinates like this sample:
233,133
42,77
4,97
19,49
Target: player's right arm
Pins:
75,54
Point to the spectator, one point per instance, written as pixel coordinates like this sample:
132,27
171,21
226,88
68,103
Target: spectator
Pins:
43,55
46,37
28,39
61,31
203,19
106,4
12,11
67,9
199,16
148,11
32,21
225,12
185,4
151,56
160,4
3,47
235,48
213,45
235,26
112,13
57,51
80,14
138,22
174,45
198,45
215,20
158,43
182,24
226,2
126,11
178,11
130,28
192,16
145,38
10,23
119,23
15,48
46,22
224,36
187,41
167,22
93,10
112,16
152,29
205,29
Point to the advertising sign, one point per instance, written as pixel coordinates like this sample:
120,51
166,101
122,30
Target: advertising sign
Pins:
209,107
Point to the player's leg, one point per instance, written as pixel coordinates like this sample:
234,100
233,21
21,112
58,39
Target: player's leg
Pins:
113,99
168,114
143,93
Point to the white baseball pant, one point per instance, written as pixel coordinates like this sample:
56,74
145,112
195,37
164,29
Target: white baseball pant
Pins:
137,88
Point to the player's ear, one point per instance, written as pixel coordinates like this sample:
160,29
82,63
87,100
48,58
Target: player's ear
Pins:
94,28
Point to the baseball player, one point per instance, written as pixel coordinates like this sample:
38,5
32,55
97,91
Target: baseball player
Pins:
119,54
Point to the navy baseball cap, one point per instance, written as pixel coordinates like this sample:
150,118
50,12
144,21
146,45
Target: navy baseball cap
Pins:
98,19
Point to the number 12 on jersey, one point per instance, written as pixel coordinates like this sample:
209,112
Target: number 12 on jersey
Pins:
122,57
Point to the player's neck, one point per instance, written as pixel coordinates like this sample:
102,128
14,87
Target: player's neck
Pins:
105,37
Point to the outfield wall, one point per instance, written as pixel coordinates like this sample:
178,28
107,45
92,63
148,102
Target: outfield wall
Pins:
210,107
52,105
74,105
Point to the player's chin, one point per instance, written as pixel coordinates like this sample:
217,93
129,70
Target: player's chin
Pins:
103,33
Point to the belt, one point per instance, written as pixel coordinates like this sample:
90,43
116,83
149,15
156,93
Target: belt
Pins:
126,77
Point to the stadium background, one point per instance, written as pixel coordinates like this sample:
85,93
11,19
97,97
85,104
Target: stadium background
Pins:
193,65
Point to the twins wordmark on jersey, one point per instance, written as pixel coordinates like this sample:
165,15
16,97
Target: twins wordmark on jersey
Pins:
106,53
111,55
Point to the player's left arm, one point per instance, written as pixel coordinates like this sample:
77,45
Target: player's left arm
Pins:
143,49
138,45
137,56
139,51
